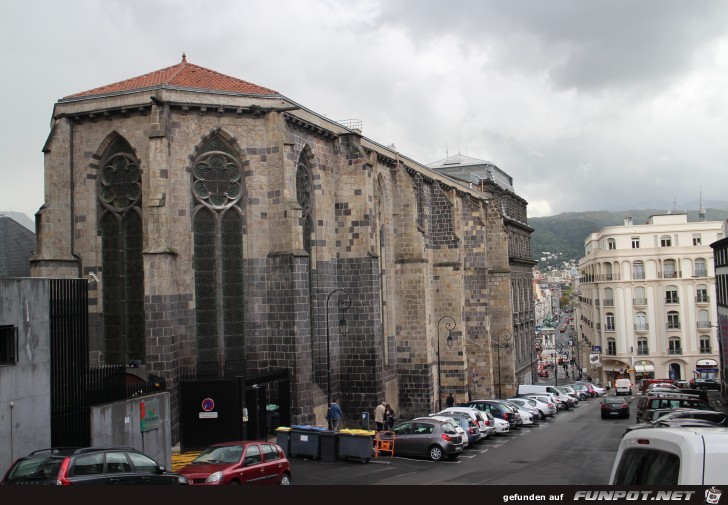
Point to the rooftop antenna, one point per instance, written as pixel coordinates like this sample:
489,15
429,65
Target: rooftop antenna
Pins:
701,211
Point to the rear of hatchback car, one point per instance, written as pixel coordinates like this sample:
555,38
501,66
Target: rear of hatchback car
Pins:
91,465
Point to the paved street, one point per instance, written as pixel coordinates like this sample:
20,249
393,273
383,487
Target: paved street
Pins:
575,448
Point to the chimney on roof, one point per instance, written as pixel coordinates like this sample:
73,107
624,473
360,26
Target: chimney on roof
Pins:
628,220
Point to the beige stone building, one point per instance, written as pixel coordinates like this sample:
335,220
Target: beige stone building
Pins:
647,299
228,226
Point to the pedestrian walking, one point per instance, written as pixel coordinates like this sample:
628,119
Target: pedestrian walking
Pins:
450,400
609,385
389,417
379,415
335,415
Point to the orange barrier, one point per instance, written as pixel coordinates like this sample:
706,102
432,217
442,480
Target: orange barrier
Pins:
384,443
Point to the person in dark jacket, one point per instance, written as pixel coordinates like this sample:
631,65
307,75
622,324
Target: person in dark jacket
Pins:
336,415
450,400
389,417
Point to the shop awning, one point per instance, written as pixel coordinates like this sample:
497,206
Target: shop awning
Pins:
647,368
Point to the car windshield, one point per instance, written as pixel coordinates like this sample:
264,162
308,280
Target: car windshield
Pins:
614,399
220,454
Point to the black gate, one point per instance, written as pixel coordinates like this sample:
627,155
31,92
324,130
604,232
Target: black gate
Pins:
70,422
226,409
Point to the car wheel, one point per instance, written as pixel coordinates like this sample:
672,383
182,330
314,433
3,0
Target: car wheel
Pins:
436,453
543,416
285,480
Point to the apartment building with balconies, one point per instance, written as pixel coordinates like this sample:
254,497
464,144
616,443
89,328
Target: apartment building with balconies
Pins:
647,298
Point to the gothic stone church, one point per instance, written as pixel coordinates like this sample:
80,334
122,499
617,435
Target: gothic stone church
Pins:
228,225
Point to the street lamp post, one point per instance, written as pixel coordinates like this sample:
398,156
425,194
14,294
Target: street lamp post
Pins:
343,303
449,325
498,344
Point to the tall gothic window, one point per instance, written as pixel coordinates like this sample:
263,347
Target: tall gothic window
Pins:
120,224
419,203
218,258
304,195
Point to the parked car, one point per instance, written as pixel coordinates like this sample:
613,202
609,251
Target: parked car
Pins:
456,424
706,384
671,457
581,390
683,418
544,404
567,390
645,383
501,426
662,387
528,418
529,406
543,372
243,462
429,438
475,414
497,410
589,388
469,426
89,465
520,419
648,403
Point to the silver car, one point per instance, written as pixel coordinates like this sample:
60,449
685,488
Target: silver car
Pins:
429,438
544,404
529,406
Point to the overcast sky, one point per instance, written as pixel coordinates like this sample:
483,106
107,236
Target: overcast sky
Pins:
588,105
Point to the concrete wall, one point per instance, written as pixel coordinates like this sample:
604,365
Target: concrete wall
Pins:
119,424
25,406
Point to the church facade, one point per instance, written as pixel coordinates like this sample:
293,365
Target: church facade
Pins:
229,229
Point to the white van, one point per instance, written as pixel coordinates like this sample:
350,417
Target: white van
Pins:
530,389
623,387
671,457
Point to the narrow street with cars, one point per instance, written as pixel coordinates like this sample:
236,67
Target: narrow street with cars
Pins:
574,447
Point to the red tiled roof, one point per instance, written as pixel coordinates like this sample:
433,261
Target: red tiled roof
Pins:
183,75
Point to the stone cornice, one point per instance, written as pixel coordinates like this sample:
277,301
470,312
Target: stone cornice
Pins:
300,124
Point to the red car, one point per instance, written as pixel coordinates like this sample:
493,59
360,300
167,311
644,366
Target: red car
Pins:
246,462
543,373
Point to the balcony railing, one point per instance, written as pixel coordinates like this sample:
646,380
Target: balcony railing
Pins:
704,324
702,299
670,275
674,351
611,352
609,327
672,300
609,302
701,273
638,275
705,350
639,301
673,326
643,352
642,327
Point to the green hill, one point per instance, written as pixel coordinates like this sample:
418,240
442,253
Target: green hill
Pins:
563,235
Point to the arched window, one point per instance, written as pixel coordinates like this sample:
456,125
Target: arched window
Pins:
611,244
671,295
640,321
608,297
611,347
674,346
705,344
639,296
668,270
700,270
665,241
419,202
704,319
120,224
642,347
673,320
610,322
217,225
701,293
638,270
304,196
